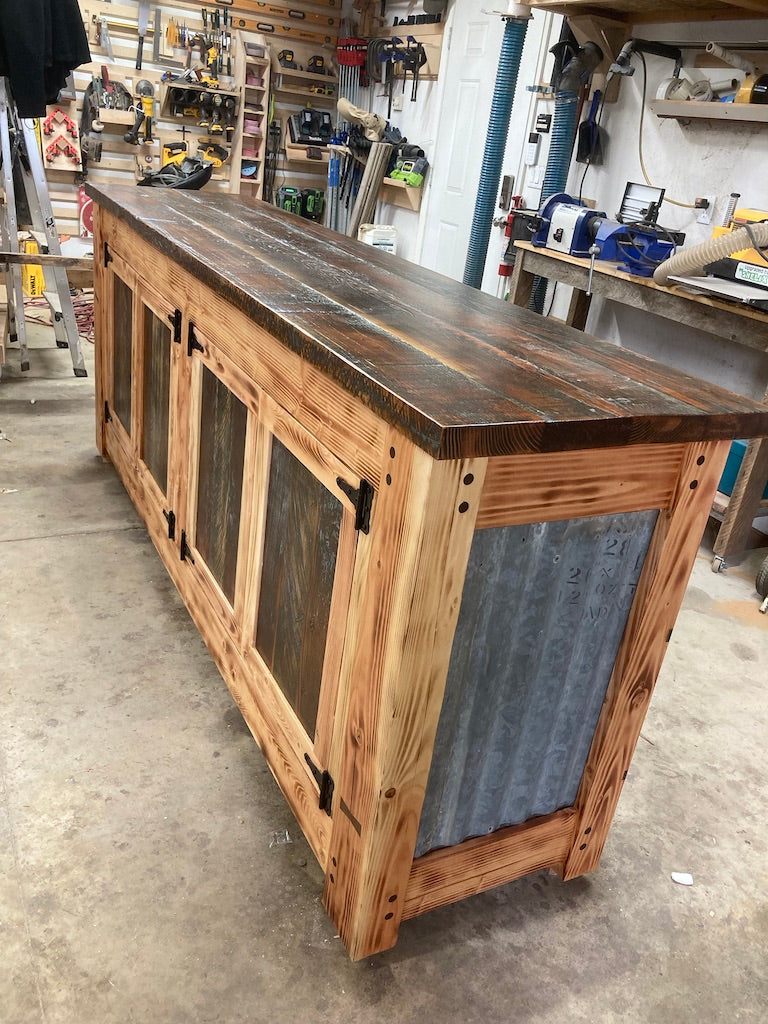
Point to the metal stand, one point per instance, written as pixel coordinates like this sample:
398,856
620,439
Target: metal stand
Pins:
19,150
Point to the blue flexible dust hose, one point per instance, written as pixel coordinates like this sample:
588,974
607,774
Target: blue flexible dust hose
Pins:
561,144
495,145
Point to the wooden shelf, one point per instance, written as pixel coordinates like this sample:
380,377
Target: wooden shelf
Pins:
398,193
305,94
688,110
311,76
297,154
636,12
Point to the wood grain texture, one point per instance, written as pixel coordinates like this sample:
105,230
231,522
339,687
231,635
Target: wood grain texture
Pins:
456,872
566,485
102,340
659,595
122,352
238,347
745,500
220,480
636,12
740,325
298,569
458,372
156,396
405,599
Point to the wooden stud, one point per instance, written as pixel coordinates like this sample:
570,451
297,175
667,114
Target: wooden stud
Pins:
405,603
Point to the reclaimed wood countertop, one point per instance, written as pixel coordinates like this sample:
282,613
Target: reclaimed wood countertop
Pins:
461,373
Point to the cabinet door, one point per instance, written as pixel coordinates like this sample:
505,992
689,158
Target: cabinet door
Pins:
270,539
157,360
120,356
141,373
301,575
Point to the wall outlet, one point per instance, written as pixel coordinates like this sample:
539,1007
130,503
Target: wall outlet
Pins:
706,213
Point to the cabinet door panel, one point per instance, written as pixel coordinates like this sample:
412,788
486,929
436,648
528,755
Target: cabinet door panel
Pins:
122,353
223,420
156,397
299,563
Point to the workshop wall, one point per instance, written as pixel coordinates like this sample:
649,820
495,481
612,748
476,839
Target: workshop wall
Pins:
701,158
418,120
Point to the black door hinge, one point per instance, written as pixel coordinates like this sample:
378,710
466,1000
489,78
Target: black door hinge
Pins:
185,551
175,320
170,518
192,342
107,255
107,413
325,782
362,498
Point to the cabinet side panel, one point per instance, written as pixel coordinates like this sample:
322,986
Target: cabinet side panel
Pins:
543,612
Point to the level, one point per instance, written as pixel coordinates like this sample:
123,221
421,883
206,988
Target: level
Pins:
256,5
280,29
314,17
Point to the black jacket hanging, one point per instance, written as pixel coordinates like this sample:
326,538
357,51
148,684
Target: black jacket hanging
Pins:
41,41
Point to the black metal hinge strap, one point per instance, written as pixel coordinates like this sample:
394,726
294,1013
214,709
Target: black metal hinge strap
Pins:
170,517
175,320
107,413
185,551
362,498
192,343
325,782
107,255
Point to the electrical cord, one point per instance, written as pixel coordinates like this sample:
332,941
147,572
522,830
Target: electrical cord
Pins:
551,300
674,202
761,249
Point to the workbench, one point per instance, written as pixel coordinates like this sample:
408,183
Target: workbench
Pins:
435,544
736,325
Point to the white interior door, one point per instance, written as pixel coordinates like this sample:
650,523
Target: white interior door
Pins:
470,70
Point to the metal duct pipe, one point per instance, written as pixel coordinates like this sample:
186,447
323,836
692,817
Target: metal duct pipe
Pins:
496,140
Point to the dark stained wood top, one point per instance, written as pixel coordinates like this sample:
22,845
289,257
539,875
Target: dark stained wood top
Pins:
460,372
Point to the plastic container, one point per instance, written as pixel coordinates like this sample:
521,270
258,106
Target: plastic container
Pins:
732,464
381,236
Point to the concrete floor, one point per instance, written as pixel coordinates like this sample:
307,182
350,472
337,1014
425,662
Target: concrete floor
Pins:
141,879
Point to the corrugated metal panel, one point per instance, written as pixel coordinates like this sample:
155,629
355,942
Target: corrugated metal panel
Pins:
542,615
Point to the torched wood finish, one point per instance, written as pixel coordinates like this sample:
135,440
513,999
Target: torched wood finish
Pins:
156,394
322,368
298,570
220,479
122,366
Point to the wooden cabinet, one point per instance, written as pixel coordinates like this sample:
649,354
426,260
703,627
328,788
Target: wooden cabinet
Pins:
435,544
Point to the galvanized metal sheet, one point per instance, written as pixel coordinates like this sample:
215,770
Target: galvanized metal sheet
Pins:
542,616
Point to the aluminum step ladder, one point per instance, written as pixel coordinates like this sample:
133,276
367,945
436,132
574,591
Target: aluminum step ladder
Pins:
19,150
